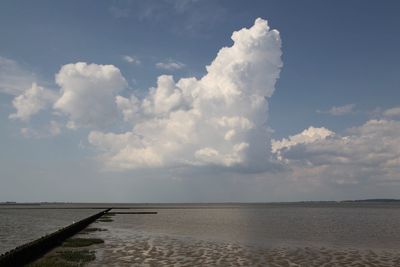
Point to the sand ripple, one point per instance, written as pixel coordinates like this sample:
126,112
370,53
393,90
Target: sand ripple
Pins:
159,250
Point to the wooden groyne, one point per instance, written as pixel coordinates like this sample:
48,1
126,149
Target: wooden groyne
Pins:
27,253
135,212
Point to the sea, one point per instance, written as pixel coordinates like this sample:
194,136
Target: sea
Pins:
236,234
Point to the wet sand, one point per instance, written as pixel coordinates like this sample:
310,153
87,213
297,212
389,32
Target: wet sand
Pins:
124,247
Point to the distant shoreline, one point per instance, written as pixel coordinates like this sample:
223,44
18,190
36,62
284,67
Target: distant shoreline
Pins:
222,205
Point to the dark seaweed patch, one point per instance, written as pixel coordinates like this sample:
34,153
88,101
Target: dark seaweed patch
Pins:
82,242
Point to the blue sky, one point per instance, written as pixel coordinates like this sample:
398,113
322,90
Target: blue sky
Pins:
337,56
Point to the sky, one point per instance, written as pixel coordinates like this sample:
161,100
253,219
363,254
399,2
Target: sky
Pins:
199,101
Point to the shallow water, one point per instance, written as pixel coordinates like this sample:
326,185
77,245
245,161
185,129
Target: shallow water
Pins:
19,226
309,235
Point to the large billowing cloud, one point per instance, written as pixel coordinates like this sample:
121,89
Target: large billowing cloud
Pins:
88,93
369,153
219,119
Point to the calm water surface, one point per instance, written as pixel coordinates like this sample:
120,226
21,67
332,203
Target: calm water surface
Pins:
345,225
19,226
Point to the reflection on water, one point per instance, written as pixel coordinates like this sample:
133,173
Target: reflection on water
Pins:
328,226
269,236
18,226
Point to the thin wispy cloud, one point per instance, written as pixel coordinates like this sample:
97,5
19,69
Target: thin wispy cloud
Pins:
119,12
182,6
14,78
339,110
170,65
197,16
131,60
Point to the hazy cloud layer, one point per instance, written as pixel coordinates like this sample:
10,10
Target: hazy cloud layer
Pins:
368,153
216,120
53,128
392,112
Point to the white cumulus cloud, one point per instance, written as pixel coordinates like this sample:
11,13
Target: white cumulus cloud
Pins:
88,93
31,101
310,135
219,119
